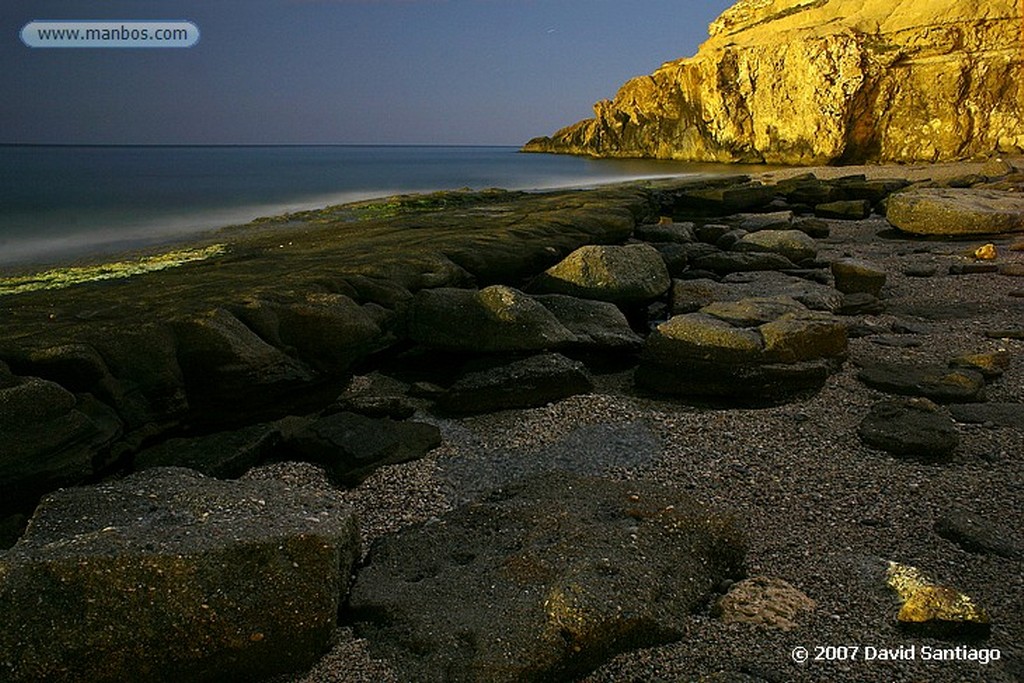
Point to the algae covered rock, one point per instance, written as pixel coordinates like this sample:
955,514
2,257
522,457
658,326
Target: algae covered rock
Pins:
813,82
496,318
952,211
752,350
631,274
168,576
545,579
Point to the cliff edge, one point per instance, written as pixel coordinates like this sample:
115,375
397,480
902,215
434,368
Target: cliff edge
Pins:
825,81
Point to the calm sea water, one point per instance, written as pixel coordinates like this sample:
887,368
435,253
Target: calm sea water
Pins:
61,203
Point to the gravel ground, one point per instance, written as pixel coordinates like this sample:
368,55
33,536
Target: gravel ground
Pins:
816,503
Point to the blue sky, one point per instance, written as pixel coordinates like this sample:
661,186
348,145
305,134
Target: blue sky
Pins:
338,71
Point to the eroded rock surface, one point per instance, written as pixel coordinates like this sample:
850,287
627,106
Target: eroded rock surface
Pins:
544,580
169,576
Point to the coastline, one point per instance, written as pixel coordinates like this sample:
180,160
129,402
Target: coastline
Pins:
814,500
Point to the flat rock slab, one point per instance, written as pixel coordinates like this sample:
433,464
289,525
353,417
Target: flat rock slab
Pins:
528,383
544,580
225,455
911,428
169,576
978,534
1009,415
956,211
935,382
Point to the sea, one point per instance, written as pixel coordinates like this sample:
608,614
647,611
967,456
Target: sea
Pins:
62,204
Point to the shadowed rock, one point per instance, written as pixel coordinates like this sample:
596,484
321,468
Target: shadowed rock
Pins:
544,580
938,383
497,318
168,576
527,383
351,446
911,428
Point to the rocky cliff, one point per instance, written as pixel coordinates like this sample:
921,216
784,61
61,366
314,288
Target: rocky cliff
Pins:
825,81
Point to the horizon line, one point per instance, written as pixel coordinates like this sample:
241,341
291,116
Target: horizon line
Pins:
250,144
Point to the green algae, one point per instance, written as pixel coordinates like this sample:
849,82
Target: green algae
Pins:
59,278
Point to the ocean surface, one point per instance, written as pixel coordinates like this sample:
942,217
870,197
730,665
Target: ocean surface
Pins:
59,204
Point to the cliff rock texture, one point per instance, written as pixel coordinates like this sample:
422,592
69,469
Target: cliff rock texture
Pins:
826,81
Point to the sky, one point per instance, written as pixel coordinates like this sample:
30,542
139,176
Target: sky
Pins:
488,72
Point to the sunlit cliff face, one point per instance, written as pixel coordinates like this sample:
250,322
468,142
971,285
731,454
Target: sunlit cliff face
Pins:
824,81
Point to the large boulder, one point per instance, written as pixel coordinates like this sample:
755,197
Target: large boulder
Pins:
168,576
544,580
228,368
953,212
806,83
48,438
598,325
496,318
626,275
736,355
327,331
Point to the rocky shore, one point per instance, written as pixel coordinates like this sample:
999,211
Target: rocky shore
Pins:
673,430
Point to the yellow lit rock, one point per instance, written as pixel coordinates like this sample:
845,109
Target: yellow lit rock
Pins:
986,252
934,609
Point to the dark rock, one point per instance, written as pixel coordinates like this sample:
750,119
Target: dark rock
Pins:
329,332
972,268
853,276
861,303
812,295
384,292
814,227
1009,415
909,428
49,438
632,274
229,369
496,318
730,239
677,256
351,446
224,455
11,529
544,580
168,576
727,199
849,210
921,270
807,189
736,262
974,533
937,383
1005,333
597,325
395,407
710,233
148,385
527,383
666,232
